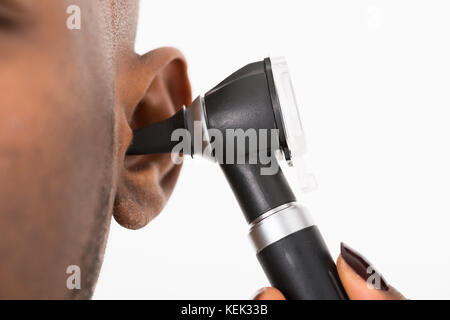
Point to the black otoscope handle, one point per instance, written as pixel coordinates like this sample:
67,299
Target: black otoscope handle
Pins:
301,267
289,246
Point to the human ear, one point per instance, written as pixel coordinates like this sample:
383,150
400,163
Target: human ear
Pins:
149,88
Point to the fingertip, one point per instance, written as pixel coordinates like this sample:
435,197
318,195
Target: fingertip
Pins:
357,288
268,293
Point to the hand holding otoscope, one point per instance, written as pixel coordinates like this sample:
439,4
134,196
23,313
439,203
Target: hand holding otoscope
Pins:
259,97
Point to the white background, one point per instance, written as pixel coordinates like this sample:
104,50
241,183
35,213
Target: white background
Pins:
373,80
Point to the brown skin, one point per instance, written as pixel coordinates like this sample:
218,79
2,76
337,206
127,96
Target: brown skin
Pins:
69,100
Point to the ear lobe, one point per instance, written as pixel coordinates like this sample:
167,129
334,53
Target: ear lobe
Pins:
153,88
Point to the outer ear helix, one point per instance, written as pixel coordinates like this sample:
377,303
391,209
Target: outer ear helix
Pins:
156,85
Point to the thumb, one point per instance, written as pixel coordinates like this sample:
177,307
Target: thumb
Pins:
268,293
360,280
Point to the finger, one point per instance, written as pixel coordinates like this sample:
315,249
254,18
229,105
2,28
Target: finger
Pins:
268,294
360,279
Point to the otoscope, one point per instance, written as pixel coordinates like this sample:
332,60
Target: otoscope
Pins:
258,99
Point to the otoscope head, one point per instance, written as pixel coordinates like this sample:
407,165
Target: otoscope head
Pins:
257,97
261,96
257,100
247,100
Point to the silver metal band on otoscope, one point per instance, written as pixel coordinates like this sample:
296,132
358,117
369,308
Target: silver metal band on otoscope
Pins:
278,223
196,123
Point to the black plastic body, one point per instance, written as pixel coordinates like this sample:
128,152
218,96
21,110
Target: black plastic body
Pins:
257,193
241,101
299,264
156,138
301,267
244,101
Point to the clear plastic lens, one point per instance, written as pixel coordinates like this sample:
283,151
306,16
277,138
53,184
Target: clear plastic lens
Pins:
295,137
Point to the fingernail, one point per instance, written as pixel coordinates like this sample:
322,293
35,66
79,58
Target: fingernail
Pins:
363,268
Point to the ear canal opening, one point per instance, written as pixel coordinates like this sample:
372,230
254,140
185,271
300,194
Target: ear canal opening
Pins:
156,138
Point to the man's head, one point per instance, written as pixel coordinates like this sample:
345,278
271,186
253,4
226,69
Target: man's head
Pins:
69,100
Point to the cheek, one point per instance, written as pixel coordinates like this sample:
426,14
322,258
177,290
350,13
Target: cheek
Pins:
58,128
55,119
57,155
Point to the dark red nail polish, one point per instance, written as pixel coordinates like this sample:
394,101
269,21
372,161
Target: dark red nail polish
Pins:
363,268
